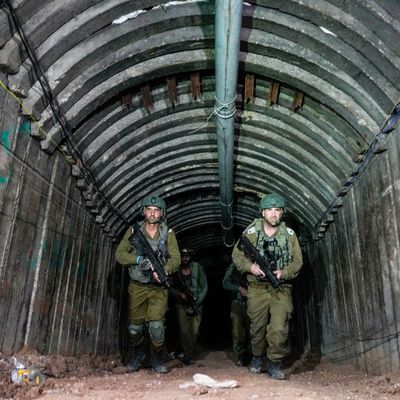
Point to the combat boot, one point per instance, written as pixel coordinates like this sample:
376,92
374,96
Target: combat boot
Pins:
135,363
256,364
274,371
187,360
157,363
240,361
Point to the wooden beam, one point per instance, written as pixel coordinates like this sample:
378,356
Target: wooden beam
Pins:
147,97
196,86
171,88
126,101
298,100
249,87
273,94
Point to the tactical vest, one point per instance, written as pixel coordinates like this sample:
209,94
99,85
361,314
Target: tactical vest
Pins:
277,248
157,244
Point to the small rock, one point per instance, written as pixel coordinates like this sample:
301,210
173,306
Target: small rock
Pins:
199,390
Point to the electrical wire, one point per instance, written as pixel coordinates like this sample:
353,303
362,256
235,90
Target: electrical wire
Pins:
356,340
76,211
351,356
53,103
387,127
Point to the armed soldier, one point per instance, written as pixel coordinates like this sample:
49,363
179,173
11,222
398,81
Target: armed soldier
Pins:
270,306
189,289
148,295
236,283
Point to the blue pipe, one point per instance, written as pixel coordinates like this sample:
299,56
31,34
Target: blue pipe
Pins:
228,22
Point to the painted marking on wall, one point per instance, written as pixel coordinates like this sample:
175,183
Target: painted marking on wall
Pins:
4,141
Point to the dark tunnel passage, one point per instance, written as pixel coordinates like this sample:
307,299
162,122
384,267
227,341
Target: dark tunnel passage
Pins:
215,329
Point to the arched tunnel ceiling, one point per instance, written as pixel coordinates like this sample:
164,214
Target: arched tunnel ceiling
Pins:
137,133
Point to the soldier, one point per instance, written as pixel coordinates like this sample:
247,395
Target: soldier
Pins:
147,297
269,308
236,283
190,277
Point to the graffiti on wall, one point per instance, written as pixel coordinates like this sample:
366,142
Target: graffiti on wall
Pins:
5,145
53,255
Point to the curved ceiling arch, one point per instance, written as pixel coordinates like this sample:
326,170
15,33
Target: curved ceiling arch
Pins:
349,85
152,177
175,127
275,179
158,170
338,55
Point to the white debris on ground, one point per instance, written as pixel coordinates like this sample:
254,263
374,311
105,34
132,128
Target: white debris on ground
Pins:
205,380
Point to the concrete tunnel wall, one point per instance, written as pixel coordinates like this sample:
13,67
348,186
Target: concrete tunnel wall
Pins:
348,294
61,291
55,261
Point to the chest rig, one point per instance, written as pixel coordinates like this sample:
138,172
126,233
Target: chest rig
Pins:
159,244
276,249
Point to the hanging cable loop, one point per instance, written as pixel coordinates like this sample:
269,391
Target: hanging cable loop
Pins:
225,110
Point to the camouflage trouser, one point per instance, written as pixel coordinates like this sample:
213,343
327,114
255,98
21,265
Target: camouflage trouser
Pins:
147,306
269,311
240,329
189,326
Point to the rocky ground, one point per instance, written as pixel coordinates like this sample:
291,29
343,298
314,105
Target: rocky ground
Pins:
106,378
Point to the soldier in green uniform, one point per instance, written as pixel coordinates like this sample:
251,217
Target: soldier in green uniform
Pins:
147,297
193,276
270,309
236,283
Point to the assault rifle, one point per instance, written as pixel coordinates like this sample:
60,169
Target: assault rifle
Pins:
267,267
155,258
191,300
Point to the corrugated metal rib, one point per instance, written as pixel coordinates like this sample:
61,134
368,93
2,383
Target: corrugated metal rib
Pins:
347,73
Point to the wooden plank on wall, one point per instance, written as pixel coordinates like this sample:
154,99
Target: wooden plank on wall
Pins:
390,245
349,281
366,216
68,336
65,253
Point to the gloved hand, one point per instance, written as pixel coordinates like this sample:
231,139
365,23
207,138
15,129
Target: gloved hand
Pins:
146,266
189,311
182,296
147,269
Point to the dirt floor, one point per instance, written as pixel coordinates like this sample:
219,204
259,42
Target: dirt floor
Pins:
106,378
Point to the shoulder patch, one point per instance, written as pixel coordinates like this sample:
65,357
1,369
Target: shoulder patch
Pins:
290,231
251,230
169,230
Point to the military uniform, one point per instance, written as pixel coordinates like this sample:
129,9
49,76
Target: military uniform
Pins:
232,281
189,323
147,299
270,309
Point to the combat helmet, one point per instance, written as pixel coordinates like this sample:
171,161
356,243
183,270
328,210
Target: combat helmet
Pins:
272,200
187,251
154,201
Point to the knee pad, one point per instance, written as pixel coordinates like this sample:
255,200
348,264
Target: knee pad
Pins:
135,331
156,332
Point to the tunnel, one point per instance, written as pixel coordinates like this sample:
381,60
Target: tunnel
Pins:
103,103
